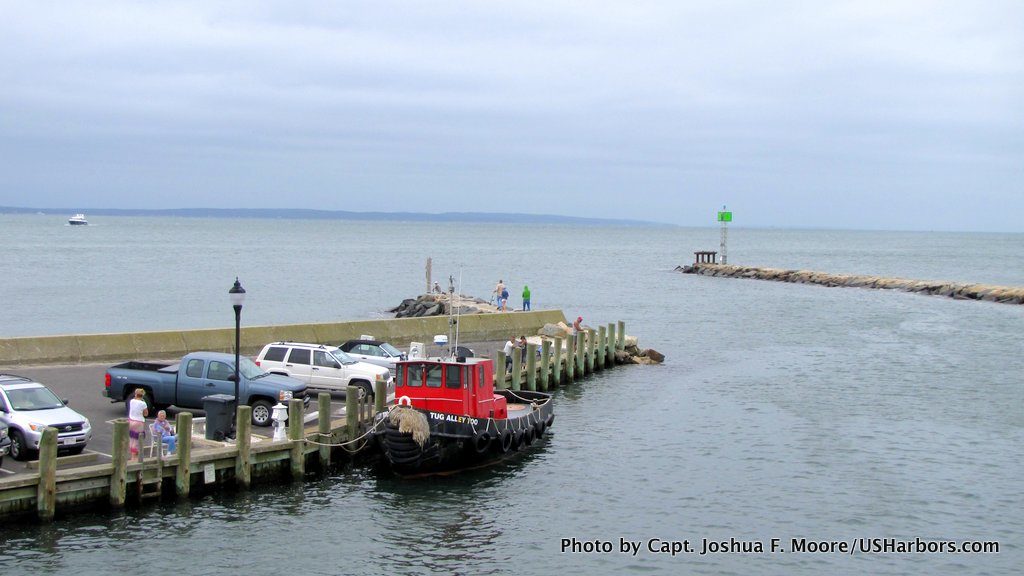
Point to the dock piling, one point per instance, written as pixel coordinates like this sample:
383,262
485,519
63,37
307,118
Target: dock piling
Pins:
380,396
602,346
545,365
352,411
183,476
323,423
46,492
581,356
531,367
119,455
570,358
621,333
591,350
499,371
557,371
295,423
243,441
611,344
517,370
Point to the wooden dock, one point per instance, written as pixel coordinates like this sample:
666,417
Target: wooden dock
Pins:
61,487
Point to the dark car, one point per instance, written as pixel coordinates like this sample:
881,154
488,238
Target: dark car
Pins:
374,352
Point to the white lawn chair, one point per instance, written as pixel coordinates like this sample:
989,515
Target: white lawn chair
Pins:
155,441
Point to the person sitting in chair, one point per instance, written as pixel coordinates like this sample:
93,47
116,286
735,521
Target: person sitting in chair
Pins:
163,430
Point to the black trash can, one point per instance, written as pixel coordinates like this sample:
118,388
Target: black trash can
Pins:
220,412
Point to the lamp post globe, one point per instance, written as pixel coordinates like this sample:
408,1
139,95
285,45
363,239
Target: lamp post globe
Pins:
237,296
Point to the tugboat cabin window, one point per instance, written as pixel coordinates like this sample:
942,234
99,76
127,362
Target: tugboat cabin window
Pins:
434,376
415,375
399,376
455,377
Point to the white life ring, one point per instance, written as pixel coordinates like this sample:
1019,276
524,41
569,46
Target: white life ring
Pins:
404,400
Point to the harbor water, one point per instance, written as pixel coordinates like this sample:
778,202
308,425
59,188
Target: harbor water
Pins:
781,412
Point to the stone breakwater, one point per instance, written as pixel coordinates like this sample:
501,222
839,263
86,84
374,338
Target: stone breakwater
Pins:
426,305
986,292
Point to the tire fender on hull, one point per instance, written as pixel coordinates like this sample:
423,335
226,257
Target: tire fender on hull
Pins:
506,442
482,442
517,439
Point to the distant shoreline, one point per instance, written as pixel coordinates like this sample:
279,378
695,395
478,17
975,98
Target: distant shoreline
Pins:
293,214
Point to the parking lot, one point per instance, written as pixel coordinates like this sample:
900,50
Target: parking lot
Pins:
82,386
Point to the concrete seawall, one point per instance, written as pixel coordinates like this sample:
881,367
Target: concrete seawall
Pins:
986,292
170,344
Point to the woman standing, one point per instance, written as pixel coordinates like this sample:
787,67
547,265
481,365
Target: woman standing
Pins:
137,412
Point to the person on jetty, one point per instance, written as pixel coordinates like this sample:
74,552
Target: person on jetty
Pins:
577,326
522,350
496,293
163,430
526,297
509,347
137,412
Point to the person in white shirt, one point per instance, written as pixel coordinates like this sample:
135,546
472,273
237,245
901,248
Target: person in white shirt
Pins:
137,412
509,347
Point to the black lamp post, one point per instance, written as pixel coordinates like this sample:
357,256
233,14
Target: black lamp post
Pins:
237,295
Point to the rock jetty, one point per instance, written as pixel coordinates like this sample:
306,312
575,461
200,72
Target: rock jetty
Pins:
437,305
986,292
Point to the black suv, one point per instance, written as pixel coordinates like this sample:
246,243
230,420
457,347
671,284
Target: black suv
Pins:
374,352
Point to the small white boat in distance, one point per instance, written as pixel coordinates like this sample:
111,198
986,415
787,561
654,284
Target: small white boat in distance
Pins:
78,220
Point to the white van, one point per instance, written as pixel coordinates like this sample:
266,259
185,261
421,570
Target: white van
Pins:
321,366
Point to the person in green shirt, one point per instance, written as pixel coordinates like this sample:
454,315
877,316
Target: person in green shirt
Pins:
526,297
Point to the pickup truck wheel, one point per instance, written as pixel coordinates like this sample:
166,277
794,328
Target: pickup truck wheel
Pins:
261,413
19,450
147,397
365,389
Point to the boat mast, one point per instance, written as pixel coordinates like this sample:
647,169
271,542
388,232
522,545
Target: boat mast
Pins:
458,314
451,318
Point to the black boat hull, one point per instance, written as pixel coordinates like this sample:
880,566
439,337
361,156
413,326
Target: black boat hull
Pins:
460,442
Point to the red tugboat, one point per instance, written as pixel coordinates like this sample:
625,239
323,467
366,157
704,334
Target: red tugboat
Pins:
448,417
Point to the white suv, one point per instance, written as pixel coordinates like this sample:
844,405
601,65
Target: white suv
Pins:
28,407
321,366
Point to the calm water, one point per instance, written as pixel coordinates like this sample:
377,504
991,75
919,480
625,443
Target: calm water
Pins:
782,410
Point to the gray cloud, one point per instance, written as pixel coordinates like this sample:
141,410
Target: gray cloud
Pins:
846,114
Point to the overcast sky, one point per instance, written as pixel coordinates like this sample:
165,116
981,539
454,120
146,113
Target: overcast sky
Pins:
896,115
